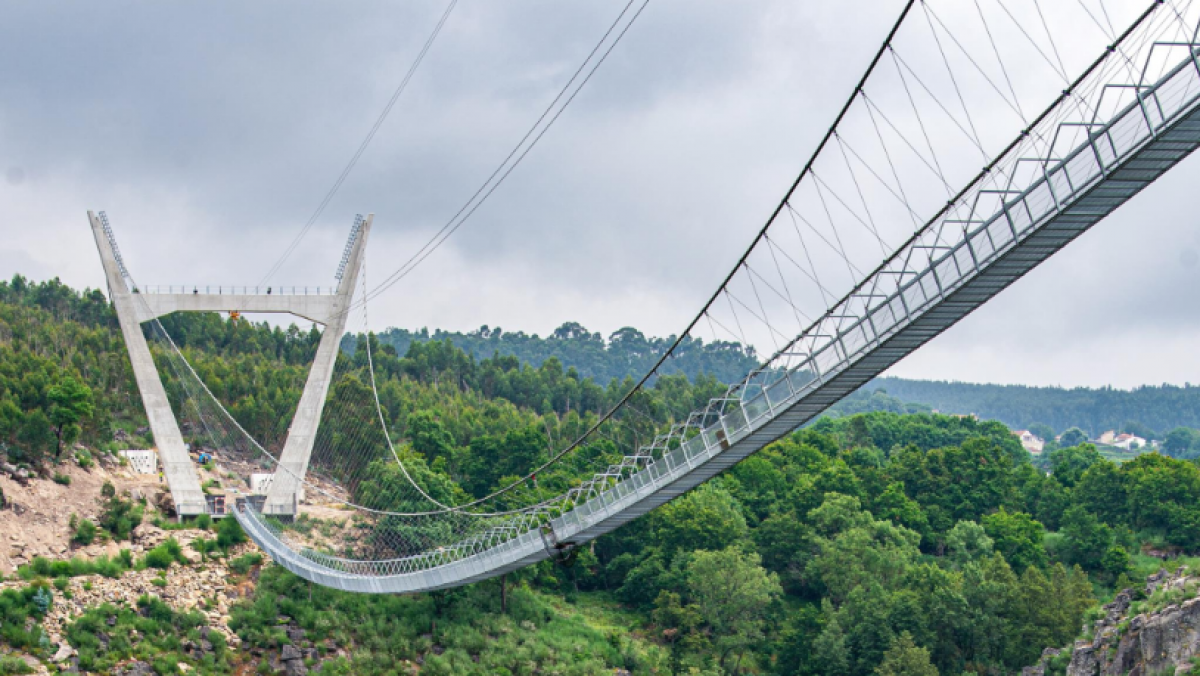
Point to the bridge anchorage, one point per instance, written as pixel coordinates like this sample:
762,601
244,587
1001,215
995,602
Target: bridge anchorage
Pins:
950,237
138,305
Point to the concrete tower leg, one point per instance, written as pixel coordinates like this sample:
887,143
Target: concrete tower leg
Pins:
286,491
177,466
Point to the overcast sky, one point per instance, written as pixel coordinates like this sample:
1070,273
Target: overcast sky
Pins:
209,133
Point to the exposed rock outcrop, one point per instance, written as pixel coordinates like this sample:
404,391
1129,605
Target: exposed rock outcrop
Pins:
1158,636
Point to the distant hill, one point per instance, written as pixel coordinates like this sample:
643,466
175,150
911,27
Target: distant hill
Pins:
1149,408
627,352
1149,411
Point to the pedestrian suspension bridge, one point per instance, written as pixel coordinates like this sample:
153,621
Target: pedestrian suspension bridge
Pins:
981,139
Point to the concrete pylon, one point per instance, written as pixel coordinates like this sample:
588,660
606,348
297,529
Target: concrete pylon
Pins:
177,466
137,306
286,491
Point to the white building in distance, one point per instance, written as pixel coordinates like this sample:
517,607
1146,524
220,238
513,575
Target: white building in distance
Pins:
1031,442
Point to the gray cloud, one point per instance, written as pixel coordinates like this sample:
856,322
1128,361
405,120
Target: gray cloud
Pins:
210,133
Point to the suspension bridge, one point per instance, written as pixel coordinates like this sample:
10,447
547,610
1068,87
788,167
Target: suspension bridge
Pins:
972,149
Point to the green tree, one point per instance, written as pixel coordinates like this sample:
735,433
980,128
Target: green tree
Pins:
732,593
71,402
35,438
1069,463
829,649
1042,431
1072,437
853,549
1178,442
1116,562
707,518
1163,494
906,658
429,437
1018,537
1085,538
1103,491
968,541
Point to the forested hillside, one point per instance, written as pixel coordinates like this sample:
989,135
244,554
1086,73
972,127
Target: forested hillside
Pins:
889,542
626,352
1159,408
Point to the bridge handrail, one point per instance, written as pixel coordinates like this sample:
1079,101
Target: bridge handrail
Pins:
237,290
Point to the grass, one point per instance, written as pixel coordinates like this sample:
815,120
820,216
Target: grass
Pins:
1119,455
45,568
1144,566
1161,598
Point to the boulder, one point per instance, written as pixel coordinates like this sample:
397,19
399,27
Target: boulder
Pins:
65,652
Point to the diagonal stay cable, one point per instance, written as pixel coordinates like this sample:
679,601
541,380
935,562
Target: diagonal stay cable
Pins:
716,294
987,28
992,165
362,147
515,156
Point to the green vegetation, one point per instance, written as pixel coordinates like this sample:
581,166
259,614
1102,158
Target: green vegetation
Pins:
42,567
1148,411
50,337
10,666
884,539
162,556
627,351
108,635
455,632
242,564
83,531
120,516
20,615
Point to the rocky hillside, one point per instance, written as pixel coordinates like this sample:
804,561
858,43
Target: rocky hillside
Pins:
1144,632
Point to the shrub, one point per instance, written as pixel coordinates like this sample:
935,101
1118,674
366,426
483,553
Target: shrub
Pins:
203,522
110,568
85,532
21,611
229,533
203,546
108,490
10,666
120,517
162,556
159,558
242,564
62,479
